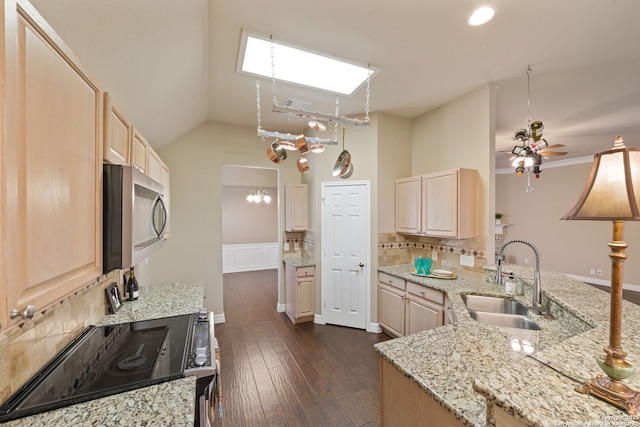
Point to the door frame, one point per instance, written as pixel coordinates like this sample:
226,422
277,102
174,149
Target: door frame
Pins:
369,327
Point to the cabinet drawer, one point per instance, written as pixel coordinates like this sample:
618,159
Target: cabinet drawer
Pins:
430,294
305,271
387,279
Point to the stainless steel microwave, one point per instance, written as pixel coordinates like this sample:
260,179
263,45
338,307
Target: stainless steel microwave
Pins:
135,217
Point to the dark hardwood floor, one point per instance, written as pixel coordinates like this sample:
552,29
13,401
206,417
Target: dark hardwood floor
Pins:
275,373
628,295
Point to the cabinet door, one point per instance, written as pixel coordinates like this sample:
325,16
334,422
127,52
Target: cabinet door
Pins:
391,309
422,315
140,152
304,298
53,169
440,195
117,134
296,207
450,204
408,205
154,165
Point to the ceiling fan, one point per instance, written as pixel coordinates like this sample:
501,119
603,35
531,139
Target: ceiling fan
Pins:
532,149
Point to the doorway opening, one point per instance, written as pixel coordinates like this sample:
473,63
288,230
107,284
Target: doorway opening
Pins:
250,235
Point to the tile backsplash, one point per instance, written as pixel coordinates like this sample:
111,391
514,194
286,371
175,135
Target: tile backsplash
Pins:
28,347
396,249
304,241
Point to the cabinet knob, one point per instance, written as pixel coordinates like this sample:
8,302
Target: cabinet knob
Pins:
28,313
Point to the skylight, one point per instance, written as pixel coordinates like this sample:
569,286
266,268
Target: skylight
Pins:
299,66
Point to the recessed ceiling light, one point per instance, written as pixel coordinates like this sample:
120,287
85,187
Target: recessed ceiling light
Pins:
482,15
303,67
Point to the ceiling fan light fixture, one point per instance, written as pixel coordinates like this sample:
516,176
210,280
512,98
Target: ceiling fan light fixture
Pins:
481,16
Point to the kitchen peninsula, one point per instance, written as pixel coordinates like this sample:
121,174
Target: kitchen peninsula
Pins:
167,403
480,374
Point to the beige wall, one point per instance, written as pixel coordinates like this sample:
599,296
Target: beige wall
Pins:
572,247
461,133
194,251
244,222
394,160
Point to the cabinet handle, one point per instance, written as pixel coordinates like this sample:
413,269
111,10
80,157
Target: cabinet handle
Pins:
26,314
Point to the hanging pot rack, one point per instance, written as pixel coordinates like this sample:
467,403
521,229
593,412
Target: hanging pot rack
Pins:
303,143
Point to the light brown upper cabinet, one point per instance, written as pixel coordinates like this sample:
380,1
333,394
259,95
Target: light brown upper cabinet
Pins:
441,204
52,194
450,203
118,134
296,207
140,152
408,205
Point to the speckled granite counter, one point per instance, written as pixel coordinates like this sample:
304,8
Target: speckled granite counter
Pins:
167,404
298,261
468,366
154,302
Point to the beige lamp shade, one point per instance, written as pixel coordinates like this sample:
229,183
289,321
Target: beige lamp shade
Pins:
613,189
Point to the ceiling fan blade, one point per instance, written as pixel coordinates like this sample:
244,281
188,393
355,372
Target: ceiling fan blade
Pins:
553,153
553,147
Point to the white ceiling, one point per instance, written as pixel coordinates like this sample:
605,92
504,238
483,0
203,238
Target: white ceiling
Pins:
170,65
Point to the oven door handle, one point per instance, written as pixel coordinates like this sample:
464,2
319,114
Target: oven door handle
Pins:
203,402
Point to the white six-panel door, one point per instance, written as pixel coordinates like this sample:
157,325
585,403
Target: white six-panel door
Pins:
345,248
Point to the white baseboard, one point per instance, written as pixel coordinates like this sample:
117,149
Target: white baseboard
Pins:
374,328
280,308
218,318
318,320
602,282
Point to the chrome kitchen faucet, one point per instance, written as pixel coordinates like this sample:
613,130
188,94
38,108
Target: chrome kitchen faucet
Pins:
537,282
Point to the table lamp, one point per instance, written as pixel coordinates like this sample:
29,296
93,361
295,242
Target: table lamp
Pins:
612,194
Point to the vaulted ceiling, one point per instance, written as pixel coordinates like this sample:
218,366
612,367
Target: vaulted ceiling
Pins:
170,65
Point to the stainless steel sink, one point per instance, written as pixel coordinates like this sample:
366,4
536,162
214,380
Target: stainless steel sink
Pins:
493,304
499,311
503,319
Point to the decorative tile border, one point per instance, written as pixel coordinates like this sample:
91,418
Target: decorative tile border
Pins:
397,241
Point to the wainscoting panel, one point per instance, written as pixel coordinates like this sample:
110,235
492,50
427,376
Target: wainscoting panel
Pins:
250,257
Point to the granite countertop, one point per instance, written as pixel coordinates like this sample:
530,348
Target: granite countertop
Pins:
168,403
156,301
468,366
297,261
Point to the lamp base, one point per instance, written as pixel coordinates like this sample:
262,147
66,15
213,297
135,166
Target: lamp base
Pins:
615,392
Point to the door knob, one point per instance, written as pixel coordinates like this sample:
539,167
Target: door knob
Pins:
361,265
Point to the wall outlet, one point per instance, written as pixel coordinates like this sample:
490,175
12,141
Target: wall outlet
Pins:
592,271
599,272
286,246
526,261
296,246
434,255
467,260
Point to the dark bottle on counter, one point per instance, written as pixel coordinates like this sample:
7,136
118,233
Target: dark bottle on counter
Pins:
132,286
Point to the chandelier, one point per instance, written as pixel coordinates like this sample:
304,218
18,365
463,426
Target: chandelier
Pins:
532,148
259,196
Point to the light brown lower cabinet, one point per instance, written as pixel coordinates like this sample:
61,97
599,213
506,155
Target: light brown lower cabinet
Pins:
299,293
503,419
405,404
405,307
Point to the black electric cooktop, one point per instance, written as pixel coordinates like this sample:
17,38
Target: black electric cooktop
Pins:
106,360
